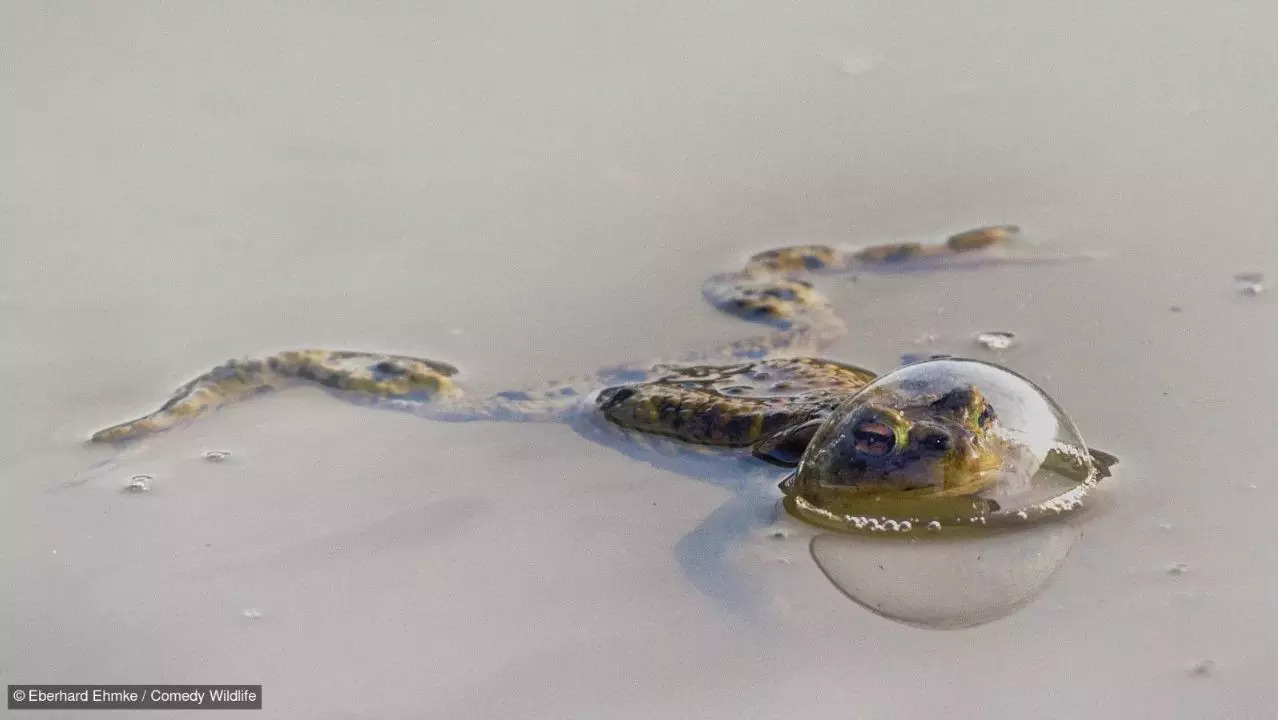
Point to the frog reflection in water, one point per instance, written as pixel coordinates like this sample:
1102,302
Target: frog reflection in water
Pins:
764,395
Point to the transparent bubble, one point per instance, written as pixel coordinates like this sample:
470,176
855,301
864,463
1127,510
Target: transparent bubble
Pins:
943,443
139,484
995,340
948,582
1250,283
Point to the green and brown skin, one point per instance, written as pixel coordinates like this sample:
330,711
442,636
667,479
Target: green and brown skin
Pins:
765,394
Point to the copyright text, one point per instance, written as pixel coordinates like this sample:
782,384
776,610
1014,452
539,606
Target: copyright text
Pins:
135,697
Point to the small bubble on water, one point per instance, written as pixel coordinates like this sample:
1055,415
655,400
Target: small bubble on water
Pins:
217,455
934,526
139,484
1204,668
778,535
1176,569
995,340
251,614
1022,515
1250,283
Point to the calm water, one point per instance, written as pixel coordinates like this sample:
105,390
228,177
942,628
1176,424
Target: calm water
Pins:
533,192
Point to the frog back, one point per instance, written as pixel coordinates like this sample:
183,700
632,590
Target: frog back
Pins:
731,405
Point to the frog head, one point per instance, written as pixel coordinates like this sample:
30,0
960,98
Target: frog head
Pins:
936,443
924,445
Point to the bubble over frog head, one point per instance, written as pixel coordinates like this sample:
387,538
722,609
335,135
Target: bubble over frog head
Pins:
941,442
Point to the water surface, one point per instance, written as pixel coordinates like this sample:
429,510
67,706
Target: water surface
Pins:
530,191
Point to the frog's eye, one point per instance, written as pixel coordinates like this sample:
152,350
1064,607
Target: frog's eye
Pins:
873,438
935,442
985,417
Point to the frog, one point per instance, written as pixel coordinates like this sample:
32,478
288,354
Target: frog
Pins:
763,398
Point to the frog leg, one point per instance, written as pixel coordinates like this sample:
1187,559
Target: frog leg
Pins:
420,386
980,247
772,289
369,375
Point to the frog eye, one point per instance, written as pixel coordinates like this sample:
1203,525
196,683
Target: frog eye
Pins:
936,442
985,417
873,438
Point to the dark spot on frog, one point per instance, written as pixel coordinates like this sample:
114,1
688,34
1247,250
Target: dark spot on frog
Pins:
387,368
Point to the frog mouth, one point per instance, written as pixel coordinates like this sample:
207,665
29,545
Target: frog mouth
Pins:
960,507
891,511
953,477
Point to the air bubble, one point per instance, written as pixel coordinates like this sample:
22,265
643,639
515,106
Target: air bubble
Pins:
961,581
995,340
1249,283
139,484
251,614
1037,466
217,455
934,526
1176,569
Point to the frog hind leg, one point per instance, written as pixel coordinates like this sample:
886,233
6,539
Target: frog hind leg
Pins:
367,376
772,290
772,287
